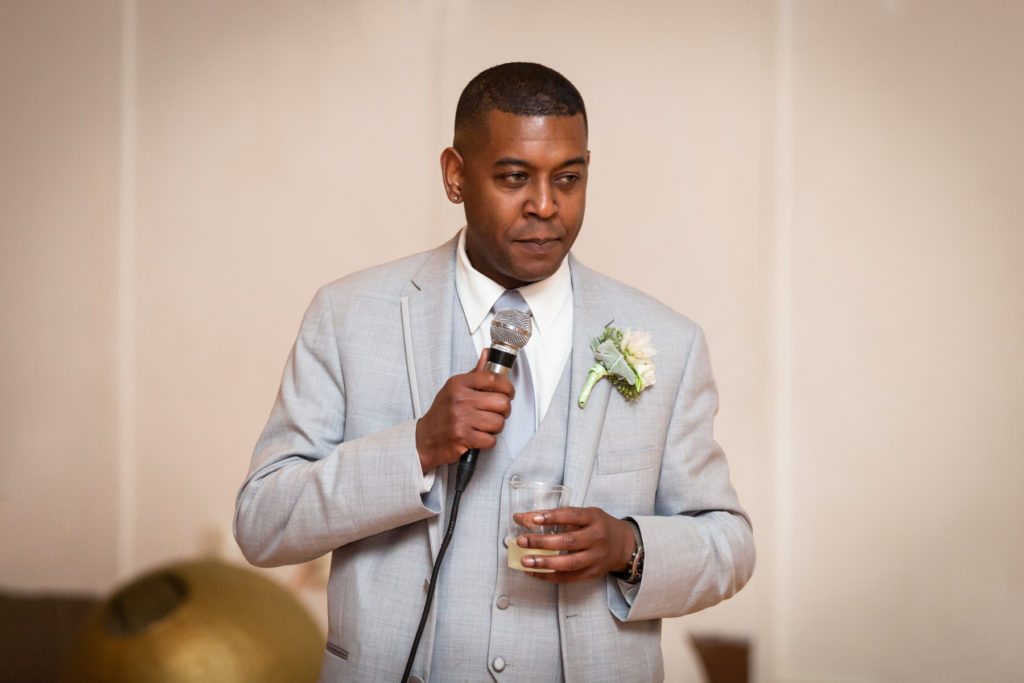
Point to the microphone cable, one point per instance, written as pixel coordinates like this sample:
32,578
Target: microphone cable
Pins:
464,475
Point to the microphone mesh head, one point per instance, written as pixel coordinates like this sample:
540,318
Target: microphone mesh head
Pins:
511,328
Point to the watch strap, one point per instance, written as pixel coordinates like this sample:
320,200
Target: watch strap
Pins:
635,569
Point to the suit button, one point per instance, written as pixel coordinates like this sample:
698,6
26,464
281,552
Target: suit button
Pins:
504,541
503,602
415,679
498,664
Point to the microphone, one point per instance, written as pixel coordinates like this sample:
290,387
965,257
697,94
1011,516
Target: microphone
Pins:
510,330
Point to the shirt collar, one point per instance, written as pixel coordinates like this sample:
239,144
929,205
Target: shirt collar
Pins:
477,292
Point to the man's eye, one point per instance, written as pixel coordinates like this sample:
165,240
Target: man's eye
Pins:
569,179
514,177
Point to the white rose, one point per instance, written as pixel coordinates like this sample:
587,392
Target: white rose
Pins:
645,369
638,344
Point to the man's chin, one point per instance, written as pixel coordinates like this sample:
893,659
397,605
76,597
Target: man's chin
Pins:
535,273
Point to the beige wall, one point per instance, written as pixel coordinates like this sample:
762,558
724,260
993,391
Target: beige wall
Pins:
280,146
58,293
901,556
828,187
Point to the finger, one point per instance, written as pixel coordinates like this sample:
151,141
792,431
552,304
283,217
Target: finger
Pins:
466,405
488,416
582,562
490,381
482,441
481,362
579,517
528,520
494,403
485,421
525,519
572,540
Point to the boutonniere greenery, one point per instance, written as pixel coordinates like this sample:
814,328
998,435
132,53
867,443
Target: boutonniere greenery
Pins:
625,359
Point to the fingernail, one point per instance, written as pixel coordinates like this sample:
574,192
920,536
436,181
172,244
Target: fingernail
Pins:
522,542
538,519
527,561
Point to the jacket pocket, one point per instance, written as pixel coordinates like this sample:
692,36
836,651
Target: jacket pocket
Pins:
626,460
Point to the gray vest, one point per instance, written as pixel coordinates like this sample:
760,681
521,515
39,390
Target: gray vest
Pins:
496,623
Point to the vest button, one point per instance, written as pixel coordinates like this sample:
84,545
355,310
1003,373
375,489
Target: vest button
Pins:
503,602
504,541
498,664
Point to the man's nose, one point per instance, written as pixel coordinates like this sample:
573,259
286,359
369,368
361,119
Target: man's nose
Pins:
541,202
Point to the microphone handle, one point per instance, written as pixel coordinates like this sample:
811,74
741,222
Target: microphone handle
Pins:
499,362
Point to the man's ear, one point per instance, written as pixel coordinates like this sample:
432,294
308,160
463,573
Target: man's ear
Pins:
452,169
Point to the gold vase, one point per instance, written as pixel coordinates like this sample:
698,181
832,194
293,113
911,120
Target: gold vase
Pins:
198,621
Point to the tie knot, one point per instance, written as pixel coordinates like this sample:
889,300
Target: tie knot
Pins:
511,299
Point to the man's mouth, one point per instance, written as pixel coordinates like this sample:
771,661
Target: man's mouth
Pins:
540,247
539,244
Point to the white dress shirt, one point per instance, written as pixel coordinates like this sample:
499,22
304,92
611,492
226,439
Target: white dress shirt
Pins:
550,302
550,345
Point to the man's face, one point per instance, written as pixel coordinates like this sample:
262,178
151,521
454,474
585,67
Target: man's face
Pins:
524,182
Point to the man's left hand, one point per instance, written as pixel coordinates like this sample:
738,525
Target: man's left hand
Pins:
597,543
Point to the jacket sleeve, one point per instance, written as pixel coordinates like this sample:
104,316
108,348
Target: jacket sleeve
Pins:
698,546
309,490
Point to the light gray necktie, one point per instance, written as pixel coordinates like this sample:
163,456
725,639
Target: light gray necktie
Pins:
522,421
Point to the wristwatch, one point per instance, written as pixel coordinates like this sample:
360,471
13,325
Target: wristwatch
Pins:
634,571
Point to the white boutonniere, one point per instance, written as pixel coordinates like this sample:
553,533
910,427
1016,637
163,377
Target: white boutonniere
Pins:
625,359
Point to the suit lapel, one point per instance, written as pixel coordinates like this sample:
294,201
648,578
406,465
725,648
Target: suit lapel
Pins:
430,317
432,291
590,316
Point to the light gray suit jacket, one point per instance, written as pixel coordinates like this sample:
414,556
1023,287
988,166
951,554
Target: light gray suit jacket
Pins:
336,470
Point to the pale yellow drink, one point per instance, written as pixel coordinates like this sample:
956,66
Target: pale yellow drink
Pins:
516,553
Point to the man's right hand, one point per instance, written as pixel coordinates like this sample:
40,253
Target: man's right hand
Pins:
468,412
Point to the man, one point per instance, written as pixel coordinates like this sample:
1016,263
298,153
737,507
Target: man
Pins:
376,406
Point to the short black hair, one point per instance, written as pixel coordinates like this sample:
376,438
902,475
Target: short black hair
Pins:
520,88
